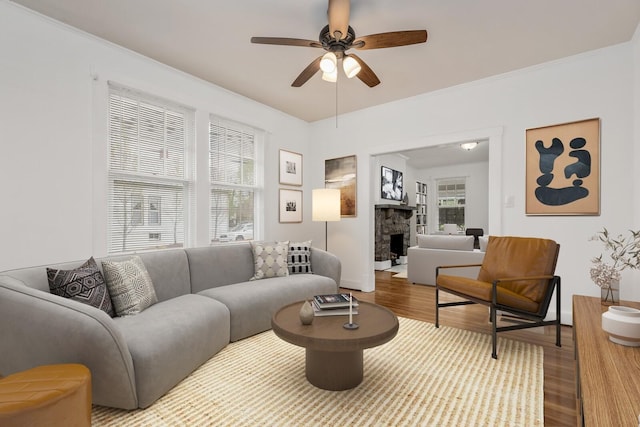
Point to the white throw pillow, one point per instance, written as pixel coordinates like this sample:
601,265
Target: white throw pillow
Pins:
129,285
484,240
270,259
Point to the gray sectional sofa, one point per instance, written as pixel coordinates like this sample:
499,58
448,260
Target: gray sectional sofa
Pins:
205,300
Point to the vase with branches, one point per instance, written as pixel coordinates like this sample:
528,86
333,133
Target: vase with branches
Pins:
624,252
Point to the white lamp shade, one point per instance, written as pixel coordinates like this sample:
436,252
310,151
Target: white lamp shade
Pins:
350,66
328,62
325,204
450,229
330,77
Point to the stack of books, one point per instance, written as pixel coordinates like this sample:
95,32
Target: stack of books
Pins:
333,305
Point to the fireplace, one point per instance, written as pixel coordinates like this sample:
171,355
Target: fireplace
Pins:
392,234
396,248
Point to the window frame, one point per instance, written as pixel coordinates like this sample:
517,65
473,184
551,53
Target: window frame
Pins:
178,136
461,180
226,185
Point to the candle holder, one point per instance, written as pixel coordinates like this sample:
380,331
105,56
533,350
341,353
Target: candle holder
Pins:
351,326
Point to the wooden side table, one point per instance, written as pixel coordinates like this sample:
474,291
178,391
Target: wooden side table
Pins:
608,374
334,355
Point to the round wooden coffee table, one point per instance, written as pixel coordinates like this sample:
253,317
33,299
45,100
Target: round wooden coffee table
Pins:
334,359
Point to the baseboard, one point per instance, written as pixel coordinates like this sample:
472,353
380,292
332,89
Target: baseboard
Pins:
382,265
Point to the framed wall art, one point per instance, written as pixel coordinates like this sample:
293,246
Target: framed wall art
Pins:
341,174
290,168
563,169
391,184
290,205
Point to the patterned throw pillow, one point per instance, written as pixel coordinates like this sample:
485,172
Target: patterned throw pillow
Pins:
270,259
130,286
84,284
300,257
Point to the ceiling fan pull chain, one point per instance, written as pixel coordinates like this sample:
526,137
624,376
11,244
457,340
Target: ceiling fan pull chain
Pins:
337,102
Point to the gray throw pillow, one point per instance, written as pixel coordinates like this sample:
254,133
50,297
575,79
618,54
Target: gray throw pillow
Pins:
270,259
130,285
84,284
299,257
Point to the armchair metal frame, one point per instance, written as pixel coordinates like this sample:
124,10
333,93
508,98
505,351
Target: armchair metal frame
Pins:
532,319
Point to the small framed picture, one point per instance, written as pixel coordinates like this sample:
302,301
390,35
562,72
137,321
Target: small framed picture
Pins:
290,205
290,168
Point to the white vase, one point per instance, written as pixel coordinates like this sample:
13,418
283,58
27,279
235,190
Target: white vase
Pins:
306,313
623,325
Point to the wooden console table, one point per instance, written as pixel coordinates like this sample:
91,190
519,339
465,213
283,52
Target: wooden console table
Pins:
608,374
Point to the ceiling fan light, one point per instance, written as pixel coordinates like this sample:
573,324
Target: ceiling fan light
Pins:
351,66
331,77
469,145
328,62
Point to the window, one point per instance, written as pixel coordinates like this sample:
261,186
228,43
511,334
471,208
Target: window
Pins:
451,202
154,210
149,171
234,183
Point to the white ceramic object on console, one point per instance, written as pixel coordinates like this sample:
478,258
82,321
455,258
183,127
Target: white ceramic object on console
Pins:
623,325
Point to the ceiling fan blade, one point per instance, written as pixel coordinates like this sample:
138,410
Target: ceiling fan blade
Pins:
285,41
391,39
338,15
307,73
366,74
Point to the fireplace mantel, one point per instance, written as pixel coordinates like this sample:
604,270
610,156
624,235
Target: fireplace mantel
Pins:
401,207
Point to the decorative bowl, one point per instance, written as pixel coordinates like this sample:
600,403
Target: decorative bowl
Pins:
623,325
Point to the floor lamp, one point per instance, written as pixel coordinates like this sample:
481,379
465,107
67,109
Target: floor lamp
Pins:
325,206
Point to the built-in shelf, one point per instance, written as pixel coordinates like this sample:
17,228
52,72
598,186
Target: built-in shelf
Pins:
421,208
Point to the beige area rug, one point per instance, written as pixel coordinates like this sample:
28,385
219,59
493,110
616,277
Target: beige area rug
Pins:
424,377
400,270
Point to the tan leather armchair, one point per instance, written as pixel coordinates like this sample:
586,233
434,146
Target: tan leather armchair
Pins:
50,395
517,275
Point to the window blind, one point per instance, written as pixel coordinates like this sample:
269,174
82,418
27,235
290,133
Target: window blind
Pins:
232,166
149,171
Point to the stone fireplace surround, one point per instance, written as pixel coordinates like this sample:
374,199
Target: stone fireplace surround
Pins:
390,220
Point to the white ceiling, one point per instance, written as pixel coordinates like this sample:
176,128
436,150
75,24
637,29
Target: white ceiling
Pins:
468,40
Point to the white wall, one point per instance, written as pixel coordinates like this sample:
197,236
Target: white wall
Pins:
53,89
595,84
634,291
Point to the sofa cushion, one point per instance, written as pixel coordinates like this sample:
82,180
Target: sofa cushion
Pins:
170,339
299,257
482,290
458,243
270,259
130,286
251,305
85,284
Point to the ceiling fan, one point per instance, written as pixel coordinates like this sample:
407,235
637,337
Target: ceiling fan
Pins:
337,38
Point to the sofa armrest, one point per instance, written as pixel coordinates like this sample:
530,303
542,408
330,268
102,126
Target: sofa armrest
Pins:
422,263
38,328
326,264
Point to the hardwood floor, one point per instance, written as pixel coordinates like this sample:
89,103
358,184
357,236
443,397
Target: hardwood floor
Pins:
417,302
